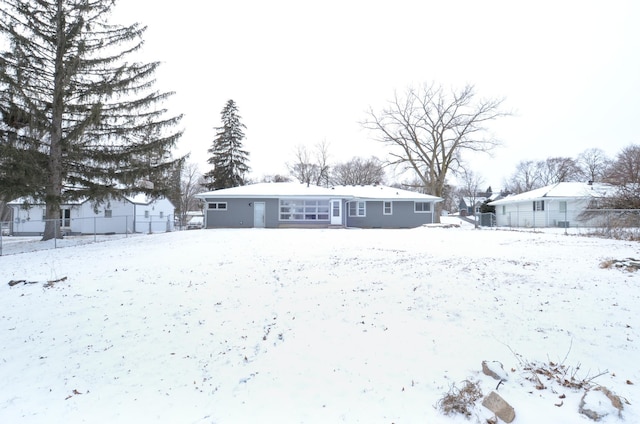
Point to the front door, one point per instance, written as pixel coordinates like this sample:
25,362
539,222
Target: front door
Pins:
65,218
258,214
336,212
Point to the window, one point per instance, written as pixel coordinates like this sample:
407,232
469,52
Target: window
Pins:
538,205
161,214
563,206
218,206
357,209
504,209
146,214
108,213
387,208
422,207
304,210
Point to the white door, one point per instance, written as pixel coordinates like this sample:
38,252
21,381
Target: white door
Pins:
65,217
336,212
258,214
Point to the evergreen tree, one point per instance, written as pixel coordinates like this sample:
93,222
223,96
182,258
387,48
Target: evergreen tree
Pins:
227,157
73,100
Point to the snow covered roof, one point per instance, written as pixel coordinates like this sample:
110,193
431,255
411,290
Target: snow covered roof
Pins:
279,190
139,199
468,200
564,190
380,192
269,190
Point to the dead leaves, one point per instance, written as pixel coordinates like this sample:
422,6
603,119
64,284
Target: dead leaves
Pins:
47,284
74,393
563,375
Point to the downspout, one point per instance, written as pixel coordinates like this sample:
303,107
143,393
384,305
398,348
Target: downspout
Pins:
133,230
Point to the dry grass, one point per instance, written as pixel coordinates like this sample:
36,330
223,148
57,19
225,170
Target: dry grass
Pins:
561,374
628,264
461,400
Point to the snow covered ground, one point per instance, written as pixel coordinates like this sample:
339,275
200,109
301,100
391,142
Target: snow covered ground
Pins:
316,326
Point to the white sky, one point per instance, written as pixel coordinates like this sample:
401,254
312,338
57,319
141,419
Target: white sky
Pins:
304,72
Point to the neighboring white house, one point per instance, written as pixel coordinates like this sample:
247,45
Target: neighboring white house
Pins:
138,214
556,205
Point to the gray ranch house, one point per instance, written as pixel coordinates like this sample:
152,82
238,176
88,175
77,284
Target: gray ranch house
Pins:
281,205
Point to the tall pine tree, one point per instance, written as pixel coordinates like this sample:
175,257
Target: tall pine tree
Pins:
73,100
227,157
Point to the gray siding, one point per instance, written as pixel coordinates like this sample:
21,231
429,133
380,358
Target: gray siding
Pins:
239,214
403,216
271,207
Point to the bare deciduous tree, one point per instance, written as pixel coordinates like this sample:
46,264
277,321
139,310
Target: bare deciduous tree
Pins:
470,186
311,167
558,170
429,128
191,183
275,178
530,175
594,163
624,173
358,171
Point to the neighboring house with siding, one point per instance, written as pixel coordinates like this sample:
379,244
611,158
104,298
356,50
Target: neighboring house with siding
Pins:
556,205
279,205
138,214
471,205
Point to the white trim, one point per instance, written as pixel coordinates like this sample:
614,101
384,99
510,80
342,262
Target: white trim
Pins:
384,207
217,208
335,211
358,203
304,209
422,211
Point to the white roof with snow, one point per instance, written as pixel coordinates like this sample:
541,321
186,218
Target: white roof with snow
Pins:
279,190
564,190
138,199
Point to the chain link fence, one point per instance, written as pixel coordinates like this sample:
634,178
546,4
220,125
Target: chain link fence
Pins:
614,223
20,236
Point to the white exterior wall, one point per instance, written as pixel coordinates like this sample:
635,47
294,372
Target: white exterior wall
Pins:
156,217
121,220
521,214
30,221
126,217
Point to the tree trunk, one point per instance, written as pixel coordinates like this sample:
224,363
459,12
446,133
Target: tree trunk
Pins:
438,206
54,178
